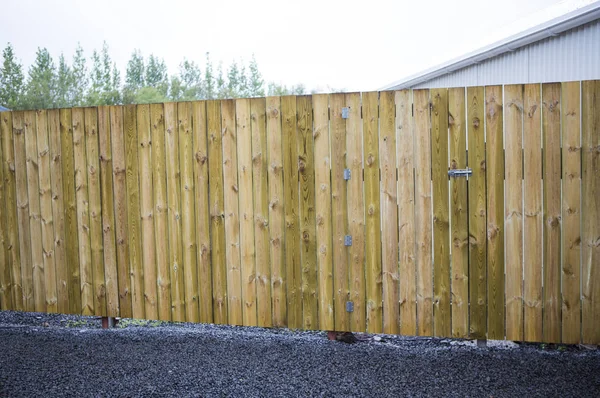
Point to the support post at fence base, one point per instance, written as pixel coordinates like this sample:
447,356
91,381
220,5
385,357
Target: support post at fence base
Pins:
109,322
481,343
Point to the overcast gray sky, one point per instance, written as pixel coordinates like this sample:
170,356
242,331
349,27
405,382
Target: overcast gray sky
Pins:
357,45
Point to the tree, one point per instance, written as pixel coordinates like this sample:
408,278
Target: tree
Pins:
243,90
175,89
40,90
134,76
191,81
104,88
255,81
280,89
11,80
156,75
149,95
233,81
221,88
80,78
209,79
63,84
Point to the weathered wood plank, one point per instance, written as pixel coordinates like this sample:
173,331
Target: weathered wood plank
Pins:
188,210
323,211
307,226
5,260
121,216
108,212
356,213
571,212
12,221
260,188
217,212
441,217
161,226
339,211
513,211
244,170
389,211
292,232
459,228
532,209
148,255
174,213
370,116
590,204
46,215
552,211
95,210
423,212
477,213
201,182
232,222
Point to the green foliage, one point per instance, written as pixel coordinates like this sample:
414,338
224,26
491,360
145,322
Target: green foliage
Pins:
40,91
280,89
190,79
134,76
63,84
149,95
80,79
256,84
12,81
156,75
209,79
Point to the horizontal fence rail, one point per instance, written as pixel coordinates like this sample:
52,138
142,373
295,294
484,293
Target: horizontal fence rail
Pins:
330,211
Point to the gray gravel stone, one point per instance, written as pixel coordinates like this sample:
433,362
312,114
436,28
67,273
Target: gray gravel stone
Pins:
58,355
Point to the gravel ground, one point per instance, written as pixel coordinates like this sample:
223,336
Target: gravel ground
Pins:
58,355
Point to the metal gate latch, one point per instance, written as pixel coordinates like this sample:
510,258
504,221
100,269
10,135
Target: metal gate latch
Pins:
348,240
345,112
460,172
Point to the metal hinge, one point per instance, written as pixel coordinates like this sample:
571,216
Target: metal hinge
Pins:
347,174
349,306
348,240
460,172
345,112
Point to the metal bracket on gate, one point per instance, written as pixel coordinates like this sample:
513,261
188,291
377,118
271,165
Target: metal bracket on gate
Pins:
345,112
346,174
348,240
460,172
349,306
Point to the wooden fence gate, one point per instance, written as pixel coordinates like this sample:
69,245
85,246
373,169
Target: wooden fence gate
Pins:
331,212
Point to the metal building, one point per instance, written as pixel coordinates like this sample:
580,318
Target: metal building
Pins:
562,49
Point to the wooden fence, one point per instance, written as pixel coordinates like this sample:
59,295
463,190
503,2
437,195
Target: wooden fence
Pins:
240,212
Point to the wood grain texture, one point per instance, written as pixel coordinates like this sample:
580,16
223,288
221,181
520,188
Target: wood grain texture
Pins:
323,211
202,225
232,219
513,212
247,250
552,212
423,212
339,211
307,222
571,212
459,217
148,256
5,260
260,189
293,268
188,210
389,211
477,213
217,212
46,214
441,213
276,212
590,204
532,209
373,275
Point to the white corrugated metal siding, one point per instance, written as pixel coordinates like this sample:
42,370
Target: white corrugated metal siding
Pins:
573,55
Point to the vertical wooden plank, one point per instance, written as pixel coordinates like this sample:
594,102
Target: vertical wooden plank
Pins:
174,213
95,210
108,212
459,214
389,211
83,218
477,214
308,244
47,221
571,212
202,215
121,216
590,204
232,223
356,212
246,209
374,308
5,282
339,211
145,147
513,212
188,210
532,208
292,233
161,226
260,188
441,217
552,211
217,212
423,212
12,221
495,210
